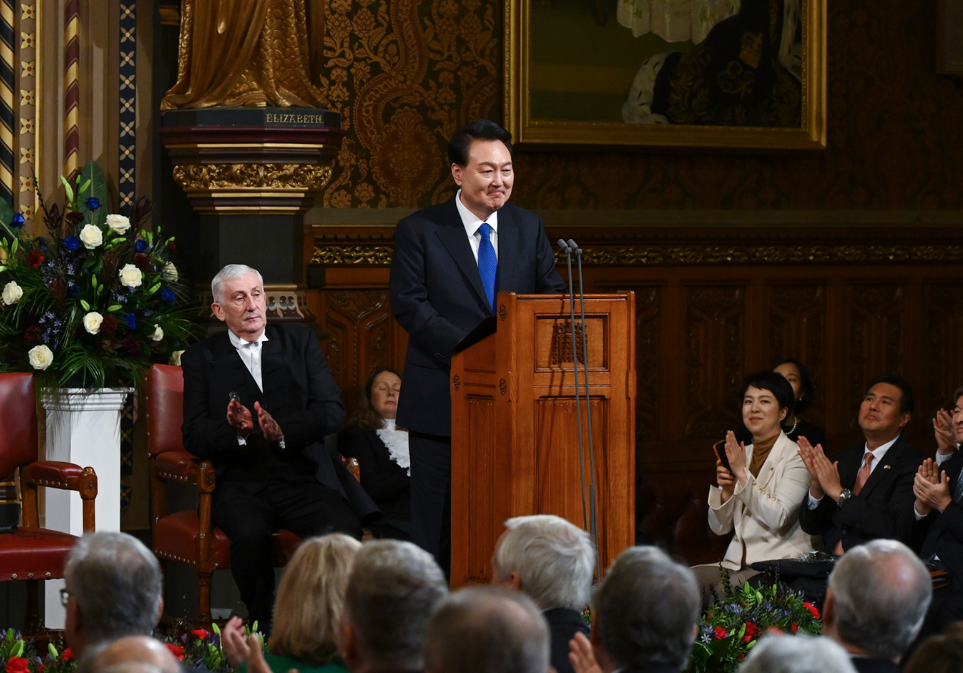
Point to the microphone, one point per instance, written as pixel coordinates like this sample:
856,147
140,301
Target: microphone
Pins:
593,515
568,249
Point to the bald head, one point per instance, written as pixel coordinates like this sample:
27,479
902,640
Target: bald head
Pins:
877,598
132,654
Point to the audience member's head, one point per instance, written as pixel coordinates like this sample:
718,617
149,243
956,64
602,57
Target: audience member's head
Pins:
797,654
645,612
886,408
382,391
131,654
877,598
548,558
484,629
114,588
392,589
942,653
307,611
798,376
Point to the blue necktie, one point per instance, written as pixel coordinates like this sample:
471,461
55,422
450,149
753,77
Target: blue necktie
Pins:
487,263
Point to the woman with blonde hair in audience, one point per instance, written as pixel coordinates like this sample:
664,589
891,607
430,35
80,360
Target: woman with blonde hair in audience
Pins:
307,610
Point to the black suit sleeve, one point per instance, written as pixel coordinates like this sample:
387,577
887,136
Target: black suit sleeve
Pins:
816,521
206,432
547,278
324,412
380,477
409,295
893,520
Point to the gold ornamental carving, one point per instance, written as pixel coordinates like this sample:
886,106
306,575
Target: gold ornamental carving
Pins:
356,254
274,177
248,53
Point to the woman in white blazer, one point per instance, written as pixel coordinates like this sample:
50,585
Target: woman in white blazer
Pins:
761,496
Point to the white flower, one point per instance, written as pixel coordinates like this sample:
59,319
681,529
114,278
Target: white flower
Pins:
130,276
92,322
40,357
176,358
158,333
170,273
91,236
12,293
118,223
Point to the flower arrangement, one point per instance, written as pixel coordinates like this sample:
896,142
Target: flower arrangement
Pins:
733,626
19,655
96,300
202,649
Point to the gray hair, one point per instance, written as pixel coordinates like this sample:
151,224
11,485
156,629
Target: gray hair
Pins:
554,559
797,654
881,592
392,590
117,584
646,609
481,629
230,272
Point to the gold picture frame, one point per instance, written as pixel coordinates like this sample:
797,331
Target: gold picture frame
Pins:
522,73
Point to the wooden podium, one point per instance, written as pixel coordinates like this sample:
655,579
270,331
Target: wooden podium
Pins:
514,444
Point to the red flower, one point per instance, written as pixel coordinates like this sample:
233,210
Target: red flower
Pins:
720,632
795,627
741,657
200,633
74,217
109,325
176,650
35,258
751,632
132,345
16,665
31,335
141,261
172,246
68,655
812,609
41,668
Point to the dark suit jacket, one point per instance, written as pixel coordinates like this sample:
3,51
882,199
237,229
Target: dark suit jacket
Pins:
883,508
298,392
385,481
870,665
944,530
437,296
563,624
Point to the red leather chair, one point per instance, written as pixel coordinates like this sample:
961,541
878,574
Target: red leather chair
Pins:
188,536
33,553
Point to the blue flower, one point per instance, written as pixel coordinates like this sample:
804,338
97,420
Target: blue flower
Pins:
167,294
141,245
131,321
93,203
73,290
72,243
17,220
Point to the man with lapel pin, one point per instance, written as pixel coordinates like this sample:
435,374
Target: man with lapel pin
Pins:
868,492
449,262
258,402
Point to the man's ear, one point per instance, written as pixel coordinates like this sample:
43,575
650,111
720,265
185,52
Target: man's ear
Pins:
347,643
456,174
514,581
160,612
218,311
829,609
905,420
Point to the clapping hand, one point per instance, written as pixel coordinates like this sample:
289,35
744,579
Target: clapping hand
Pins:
736,453
725,481
825,473
236,646
932,489
943,430
240,418
581,655
269,426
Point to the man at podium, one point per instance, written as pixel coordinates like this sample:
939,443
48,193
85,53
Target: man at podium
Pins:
450,261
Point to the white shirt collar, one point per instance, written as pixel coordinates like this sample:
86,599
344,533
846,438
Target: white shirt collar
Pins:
240,343
879,451
470,220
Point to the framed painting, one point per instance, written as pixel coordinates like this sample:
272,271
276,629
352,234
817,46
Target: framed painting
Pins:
666,73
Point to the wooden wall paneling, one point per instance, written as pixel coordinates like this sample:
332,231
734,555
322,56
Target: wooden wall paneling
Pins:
714,361
942,349
795,325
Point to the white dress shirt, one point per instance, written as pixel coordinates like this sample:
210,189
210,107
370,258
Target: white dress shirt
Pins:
472,224
250,352
878,454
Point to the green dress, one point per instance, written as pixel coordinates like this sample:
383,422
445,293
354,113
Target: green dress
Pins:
280,663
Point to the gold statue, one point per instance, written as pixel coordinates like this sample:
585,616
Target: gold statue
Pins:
250,53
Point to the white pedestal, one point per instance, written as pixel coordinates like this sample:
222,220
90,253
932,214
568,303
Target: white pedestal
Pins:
83,427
